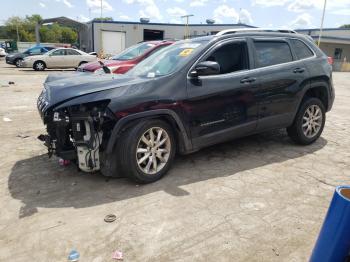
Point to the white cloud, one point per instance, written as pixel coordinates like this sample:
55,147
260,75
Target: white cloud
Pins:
95,5
269,3
302,21
198,2
67,3
224,11
42,5
83,18
245,17
149,8
301,6
176,11
175,21
124,17
345,12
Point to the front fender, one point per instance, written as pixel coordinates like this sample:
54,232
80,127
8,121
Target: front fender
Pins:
152,113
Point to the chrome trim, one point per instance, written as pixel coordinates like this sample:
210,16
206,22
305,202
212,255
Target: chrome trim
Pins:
239,30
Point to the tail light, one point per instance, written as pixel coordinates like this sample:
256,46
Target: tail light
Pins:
330,60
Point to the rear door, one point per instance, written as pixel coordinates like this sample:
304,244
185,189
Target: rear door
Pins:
281,78
223,106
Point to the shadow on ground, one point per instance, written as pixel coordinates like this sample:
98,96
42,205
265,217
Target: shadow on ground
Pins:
40,182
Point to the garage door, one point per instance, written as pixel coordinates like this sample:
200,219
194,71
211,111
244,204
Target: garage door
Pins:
113,42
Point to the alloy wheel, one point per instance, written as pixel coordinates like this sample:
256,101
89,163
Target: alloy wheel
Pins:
312,121
39,66
153,150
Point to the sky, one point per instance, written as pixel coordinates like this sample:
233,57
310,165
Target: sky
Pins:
294,14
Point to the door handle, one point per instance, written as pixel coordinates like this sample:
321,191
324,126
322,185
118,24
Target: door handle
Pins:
299,70
248,80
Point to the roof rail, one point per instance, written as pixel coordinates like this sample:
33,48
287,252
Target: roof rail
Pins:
239,30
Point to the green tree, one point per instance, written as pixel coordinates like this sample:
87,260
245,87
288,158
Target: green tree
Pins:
345,26
103,19
54,33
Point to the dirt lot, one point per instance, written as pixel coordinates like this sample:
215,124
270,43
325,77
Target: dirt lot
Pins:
260,198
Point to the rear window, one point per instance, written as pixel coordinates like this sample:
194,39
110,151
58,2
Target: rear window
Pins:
301,49
272,53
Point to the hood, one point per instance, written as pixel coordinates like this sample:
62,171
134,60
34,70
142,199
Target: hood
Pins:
93,66
61,89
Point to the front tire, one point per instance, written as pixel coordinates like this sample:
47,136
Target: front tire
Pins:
309,122
18,62
39,66
146,151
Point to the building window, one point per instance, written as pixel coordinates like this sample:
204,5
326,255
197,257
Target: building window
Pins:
337,53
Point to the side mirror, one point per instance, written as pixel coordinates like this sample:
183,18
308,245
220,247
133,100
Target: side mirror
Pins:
206,68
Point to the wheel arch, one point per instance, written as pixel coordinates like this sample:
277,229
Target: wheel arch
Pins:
168,116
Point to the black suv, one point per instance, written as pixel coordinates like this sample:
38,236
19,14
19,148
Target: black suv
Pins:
190,95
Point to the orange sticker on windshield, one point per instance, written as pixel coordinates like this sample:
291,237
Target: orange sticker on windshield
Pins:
186,52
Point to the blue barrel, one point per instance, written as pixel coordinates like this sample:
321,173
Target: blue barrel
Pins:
333,243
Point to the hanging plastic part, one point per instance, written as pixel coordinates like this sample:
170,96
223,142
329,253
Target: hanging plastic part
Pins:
89,154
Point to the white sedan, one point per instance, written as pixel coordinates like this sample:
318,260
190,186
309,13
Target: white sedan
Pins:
58,58
2,52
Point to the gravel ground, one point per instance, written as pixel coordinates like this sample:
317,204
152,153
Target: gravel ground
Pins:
261,198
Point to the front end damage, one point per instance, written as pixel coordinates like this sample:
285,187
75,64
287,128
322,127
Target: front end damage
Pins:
78,133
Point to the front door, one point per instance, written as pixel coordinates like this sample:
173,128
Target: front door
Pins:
56,59
223,106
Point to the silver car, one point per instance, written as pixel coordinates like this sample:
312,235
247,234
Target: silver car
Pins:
58,58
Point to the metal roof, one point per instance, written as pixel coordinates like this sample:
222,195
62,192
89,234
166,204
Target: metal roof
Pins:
166,24
64,21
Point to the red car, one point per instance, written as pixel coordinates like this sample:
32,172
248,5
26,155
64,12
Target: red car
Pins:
124,61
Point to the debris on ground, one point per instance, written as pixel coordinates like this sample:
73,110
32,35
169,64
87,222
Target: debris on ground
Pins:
63,162
276,252
74,183
22,136
11,83
73,256
110,218
7,119
118,255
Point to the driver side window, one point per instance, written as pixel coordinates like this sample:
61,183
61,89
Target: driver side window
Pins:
231,57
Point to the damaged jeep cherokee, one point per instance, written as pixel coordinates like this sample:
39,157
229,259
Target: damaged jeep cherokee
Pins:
192,94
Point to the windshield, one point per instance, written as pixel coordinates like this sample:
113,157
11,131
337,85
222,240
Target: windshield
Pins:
168,60
133,51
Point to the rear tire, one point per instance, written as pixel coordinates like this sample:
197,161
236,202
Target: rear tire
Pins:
39,66
146,151
309,122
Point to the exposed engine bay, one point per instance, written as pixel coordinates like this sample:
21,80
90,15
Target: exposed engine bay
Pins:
79,133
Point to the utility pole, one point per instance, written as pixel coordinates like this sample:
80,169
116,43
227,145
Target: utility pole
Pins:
101,21
187,28
17,31
321,28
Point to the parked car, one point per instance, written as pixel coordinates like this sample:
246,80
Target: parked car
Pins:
193,94
2,52
58,58
17,58
123,62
